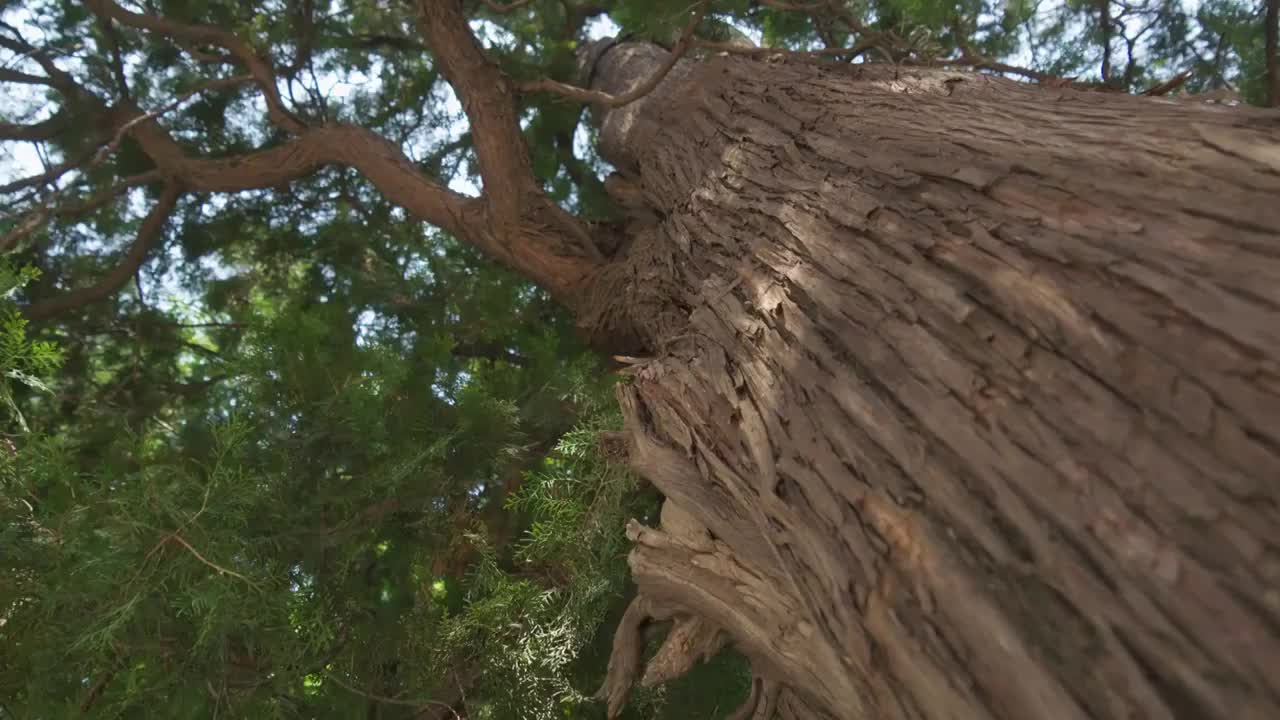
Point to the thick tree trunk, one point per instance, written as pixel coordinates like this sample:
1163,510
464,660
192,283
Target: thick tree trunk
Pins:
960,410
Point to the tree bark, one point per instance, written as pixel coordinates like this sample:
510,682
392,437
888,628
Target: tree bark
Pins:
958,412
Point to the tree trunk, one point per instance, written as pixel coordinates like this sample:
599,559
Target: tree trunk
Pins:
959,411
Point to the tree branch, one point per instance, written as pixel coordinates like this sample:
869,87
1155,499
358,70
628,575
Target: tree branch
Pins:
95,691
43,130
94,158
58,78
14,76
151,230
391,700
53,173
971,59
375,157
981,63
486,97
531,234
117,61
522,226
1170,85
616,101
220,570
306,37
102,197
37,219
208,34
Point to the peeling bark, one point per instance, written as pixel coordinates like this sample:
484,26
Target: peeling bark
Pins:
958,412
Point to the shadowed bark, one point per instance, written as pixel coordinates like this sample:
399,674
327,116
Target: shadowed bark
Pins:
962,414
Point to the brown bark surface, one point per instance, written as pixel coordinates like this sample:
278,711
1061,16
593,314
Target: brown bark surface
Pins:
959,411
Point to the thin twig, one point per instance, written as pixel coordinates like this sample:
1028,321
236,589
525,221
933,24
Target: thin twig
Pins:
176,535
616,101
215,566
420,704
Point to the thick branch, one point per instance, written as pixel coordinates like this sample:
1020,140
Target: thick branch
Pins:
208,34
523,227
486,97
376,158
151,231
541,247
58,77
13,76
43,130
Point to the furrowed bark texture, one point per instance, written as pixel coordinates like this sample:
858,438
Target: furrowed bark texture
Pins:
960,412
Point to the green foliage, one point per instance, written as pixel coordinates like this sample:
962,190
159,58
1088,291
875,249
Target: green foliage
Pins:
27,362
527,620
299,536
